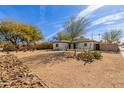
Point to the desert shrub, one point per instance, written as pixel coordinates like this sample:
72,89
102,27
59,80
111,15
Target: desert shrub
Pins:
9,47
45,45
97,55
69,54
86,56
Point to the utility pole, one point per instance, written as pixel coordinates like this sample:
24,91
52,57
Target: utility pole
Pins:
99,36
92,36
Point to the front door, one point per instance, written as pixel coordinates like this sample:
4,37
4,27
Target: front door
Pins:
69,46
72,46
97,47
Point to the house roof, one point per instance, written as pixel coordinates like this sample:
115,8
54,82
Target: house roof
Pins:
82,39
79,41
75,41
61,41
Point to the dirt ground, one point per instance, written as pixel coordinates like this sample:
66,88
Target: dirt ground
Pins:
107,72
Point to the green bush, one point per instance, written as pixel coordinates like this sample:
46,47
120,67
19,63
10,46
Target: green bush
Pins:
9,47
86,56
45,45
97,55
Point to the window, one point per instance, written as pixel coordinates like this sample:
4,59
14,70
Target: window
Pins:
85,44
57,45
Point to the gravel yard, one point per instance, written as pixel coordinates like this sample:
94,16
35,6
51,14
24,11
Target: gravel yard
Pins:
14,74
56,71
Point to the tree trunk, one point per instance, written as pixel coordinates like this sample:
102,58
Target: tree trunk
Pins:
75,52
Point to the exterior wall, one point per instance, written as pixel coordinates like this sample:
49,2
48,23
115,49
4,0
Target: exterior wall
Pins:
72,46
109,47
64,46
90,45
61,46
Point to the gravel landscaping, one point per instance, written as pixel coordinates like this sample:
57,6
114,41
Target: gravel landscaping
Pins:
14,74
58,69
69,72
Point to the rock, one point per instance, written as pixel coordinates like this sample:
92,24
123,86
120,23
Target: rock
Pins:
14,74
69,54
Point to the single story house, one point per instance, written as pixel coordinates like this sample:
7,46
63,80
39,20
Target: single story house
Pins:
77,44
85,44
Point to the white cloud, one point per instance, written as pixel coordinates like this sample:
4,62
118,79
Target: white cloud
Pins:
42,12
108,19
85,12
88,11
108,23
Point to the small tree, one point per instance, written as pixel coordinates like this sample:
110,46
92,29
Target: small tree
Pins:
112,36
62,36
75,28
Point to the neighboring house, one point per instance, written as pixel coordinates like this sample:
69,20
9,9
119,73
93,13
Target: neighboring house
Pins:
85,44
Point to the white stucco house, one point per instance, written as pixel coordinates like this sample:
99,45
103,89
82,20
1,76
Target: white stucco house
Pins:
86,44
77,44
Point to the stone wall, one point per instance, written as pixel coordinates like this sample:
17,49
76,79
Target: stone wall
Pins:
109,47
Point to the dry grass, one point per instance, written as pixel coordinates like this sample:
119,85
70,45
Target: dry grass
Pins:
108,72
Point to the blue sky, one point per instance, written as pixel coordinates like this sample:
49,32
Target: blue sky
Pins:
50,19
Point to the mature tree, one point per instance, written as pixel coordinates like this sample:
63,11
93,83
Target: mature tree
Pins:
7,31
74,28
30,34
112,37
62,36
16,33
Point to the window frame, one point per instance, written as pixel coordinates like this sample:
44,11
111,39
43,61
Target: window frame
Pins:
57,45
85,44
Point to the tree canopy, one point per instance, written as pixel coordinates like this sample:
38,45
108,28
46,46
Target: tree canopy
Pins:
17,33
62,36
112,37
75,28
